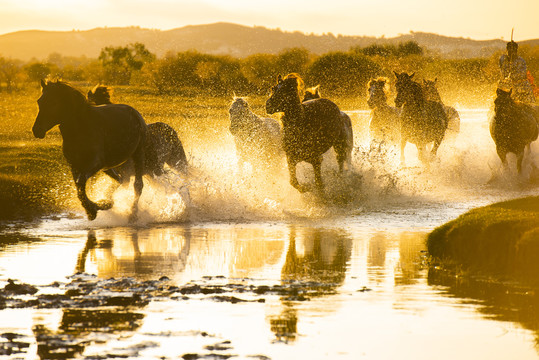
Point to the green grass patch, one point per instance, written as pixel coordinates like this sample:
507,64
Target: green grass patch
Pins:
500,239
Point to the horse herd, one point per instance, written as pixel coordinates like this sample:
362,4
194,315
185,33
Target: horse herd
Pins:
98,135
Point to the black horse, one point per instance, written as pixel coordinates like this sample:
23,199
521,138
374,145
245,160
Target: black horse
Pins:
162,145
422,121
513,127
384,125
94,138
431,93
309,129
314,93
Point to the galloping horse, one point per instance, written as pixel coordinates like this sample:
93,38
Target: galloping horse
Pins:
258,140
422,121
385,120
314,93
162,144
431,93
309,129
94,138
513,127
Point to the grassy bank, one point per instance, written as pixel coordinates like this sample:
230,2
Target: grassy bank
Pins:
502,238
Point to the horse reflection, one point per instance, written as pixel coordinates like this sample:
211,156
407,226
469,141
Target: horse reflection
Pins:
154,254
317,259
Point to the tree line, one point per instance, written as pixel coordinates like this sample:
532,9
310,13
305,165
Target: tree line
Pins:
340,73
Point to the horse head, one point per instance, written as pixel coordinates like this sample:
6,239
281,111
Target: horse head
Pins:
56,102
503,100
407,89
312,93
284,93
239,112
430,91
377,92
99,95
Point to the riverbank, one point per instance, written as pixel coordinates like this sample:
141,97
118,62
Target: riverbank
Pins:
502,238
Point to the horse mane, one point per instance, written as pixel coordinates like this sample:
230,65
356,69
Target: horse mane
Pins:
67,88
315,90
301,83
417,90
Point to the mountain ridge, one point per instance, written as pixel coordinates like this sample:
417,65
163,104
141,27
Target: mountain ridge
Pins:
224,38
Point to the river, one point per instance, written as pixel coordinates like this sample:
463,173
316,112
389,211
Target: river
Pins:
234,266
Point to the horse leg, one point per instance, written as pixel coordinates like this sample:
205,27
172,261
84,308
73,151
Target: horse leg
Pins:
317,167
520,156
89,206
138,159
341,158
293,178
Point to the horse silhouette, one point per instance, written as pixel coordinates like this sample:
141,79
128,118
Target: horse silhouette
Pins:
258,140
309,129
94,138
431,93
513,127
422,121
384,126
162,145
314,93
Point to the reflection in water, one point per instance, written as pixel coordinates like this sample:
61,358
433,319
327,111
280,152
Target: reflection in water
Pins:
136,253
290,291
78,328
318,258
498,301
412,259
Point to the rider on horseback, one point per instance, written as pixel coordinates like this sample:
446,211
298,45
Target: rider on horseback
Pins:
515,74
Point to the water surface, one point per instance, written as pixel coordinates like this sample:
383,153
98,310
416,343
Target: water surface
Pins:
254,270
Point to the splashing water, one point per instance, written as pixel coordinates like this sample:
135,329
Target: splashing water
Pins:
217,190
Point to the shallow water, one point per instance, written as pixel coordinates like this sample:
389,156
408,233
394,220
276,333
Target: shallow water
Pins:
254,270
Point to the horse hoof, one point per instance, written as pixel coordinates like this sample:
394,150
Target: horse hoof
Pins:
105,205
92,214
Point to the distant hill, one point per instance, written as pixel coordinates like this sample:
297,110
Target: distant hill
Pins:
221,38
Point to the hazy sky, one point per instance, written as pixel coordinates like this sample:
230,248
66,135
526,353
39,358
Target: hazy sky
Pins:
476,19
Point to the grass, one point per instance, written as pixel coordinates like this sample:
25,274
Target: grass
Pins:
502,238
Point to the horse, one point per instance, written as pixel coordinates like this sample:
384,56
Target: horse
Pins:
422,121
309,129
94,138
384,126
258,140
314,93
513,127
431,93
162,145
100,95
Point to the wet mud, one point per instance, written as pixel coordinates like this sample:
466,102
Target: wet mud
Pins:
92,307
